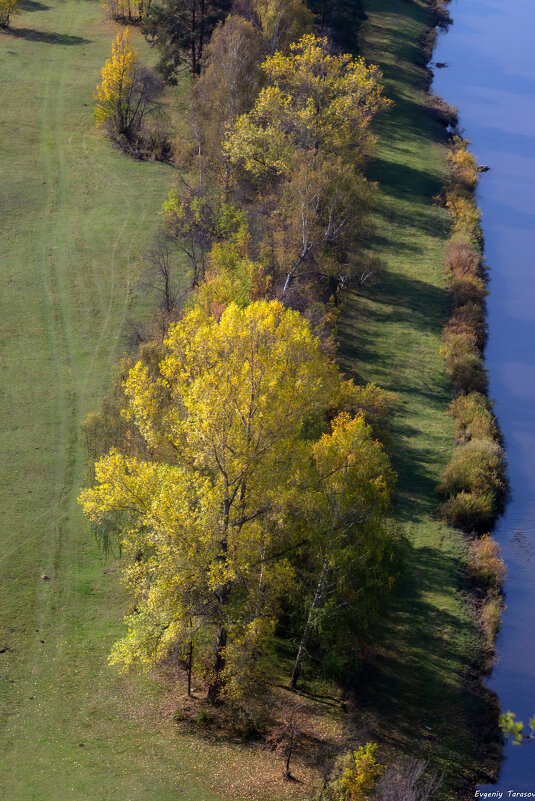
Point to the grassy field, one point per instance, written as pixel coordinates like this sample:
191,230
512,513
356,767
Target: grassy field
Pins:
419,694
75,217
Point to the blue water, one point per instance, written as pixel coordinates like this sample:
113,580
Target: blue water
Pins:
490,52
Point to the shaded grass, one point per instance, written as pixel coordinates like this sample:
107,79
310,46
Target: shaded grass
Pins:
75,217
420,694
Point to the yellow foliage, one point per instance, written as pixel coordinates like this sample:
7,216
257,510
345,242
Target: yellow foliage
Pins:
314,100
8,7
113,94
359,778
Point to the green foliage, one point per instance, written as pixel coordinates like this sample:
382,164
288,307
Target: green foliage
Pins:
477,467
474,417
180,30
468,511
512,727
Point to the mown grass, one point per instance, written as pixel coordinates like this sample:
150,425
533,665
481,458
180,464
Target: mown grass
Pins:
75,217
420,693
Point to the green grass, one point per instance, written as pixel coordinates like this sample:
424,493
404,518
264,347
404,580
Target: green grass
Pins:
75,218
391,334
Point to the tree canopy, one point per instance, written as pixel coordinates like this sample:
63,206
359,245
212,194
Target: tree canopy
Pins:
210,511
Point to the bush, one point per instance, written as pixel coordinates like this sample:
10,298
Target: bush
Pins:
466,215
457,344
474,418
468,511
468,373
486,564
447,115
357,776
461,258
467,289
406,781
477,467
491,616
470,317
464,169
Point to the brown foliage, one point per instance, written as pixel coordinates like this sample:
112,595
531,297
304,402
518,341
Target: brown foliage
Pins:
461,258
486,564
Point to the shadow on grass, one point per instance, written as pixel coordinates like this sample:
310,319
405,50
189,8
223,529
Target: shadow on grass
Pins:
419,669
46,36
33,5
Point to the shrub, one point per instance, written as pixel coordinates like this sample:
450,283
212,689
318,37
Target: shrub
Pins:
470,317
486,563
406,781
457,344
464,169
477,467
468,511
466,289
357,776
491,616
468,373
461,258
440,108
474,417
466,215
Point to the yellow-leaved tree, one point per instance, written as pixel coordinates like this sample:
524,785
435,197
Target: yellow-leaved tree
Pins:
304,144
7,8
113,95
126,96
209,506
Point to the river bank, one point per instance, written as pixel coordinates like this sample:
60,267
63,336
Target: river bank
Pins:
423,691
491,44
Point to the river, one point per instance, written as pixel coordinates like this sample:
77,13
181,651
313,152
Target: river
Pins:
490,77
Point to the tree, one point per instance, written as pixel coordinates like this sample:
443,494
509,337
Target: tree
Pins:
204,514
180,29
303,145
314,102
346,507
515,728
7,8
127,94
226,89
321,212
281,22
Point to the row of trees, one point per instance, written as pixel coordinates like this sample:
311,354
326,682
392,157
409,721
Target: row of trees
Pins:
237,470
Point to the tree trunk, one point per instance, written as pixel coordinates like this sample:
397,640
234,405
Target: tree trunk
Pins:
219,664
316,603
190,666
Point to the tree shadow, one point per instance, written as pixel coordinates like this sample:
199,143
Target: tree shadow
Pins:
33,5
46,37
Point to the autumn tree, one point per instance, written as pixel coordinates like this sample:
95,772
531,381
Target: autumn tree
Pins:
180,30
7,8
353,546
206,509
314,101
127,95
304,144
281,22
226,89
204,517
